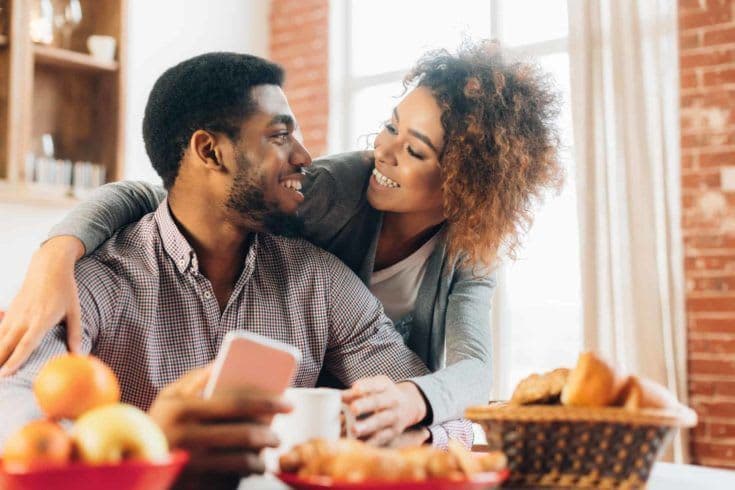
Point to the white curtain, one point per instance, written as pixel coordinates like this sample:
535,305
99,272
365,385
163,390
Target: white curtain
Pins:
625,97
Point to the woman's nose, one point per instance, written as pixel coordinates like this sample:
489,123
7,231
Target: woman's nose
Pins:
385,152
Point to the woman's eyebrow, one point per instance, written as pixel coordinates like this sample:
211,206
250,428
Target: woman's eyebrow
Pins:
415,133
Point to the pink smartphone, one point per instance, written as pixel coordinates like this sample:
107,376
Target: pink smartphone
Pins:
250,360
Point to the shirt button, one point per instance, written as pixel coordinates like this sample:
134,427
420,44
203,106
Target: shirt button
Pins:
207,294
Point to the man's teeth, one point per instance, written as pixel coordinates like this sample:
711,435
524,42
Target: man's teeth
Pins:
292,184
383,180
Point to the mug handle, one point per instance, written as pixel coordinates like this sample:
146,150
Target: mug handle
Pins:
349,419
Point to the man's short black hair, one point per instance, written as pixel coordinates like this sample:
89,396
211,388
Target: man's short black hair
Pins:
209,92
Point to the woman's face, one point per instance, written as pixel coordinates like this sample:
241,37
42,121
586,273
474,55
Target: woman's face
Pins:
407,178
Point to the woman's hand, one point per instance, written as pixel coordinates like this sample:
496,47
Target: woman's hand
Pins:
384,409
47,297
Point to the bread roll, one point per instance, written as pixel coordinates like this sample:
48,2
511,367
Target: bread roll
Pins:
592,383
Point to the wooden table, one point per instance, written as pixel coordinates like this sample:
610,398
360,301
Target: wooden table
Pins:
665,476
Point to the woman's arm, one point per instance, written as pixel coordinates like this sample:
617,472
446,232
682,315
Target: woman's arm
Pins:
48,295
467,378
109,208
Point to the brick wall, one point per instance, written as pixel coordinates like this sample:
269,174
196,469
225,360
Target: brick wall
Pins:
707,58
299,42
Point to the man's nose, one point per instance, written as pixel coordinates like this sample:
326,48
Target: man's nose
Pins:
300,156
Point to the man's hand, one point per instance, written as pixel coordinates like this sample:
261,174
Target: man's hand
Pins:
47,297
388,408
223,434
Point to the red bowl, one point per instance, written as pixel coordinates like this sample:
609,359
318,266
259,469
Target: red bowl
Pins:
131,475
479,481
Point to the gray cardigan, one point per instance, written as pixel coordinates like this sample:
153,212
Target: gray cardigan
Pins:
450,326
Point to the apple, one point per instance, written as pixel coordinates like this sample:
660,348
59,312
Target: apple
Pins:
116,432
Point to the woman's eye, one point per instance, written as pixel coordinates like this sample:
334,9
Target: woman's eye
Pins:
414,154
391,127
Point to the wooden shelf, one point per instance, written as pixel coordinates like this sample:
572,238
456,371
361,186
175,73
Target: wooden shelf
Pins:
65,58
36,194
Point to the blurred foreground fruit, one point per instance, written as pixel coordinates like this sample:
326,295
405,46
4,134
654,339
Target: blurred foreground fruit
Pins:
117,432
69,385
37,445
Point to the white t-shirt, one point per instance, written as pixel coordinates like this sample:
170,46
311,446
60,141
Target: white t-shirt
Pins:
398,285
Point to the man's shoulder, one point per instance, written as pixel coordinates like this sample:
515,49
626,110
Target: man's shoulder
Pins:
297,253
134,245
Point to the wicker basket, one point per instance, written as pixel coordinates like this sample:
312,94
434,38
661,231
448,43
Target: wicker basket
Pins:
556,446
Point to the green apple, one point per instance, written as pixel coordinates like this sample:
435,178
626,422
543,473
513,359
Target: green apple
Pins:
116,432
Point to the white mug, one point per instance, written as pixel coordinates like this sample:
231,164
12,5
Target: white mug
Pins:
316,413
102,47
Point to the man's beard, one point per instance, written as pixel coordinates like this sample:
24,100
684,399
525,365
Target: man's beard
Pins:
248,200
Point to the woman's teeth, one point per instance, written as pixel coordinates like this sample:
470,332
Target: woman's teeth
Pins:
383,180
292,184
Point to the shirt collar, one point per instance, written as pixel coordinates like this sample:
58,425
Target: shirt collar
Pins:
174,243
178,249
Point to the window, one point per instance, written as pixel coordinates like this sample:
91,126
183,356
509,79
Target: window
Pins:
374,43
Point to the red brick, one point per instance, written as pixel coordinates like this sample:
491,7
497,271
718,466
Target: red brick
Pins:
715,14
724,35
700,180
701,241
724,388
715,463
689,40
708,347
711,303
723,431
712,367
714,284
712,325
701,388
725,452
710,57
692,5
717,159
719,76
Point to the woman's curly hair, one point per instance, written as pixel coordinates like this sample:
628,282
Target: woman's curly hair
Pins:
501,149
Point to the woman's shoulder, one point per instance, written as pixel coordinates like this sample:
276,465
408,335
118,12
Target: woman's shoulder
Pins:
350,170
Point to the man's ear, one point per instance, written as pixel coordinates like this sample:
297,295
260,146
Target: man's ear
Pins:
203,146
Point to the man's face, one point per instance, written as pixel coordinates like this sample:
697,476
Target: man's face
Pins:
269,157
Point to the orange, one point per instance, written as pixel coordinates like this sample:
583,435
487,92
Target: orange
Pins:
69,385
39,444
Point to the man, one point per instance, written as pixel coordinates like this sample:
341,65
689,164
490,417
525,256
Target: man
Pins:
159,296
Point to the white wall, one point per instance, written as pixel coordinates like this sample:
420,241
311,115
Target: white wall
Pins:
23,228
162,33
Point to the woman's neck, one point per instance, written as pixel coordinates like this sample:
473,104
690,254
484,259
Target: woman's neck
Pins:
402,234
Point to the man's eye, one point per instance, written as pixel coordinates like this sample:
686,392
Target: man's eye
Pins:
281,138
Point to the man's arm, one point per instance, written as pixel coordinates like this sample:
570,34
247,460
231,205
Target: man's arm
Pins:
17,402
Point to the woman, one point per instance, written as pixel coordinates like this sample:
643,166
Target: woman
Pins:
450,189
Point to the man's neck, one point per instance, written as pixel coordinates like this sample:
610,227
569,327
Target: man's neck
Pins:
220,245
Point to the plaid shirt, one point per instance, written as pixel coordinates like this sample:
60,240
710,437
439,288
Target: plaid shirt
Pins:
150,314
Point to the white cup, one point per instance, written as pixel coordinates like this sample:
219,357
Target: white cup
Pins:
102,47
316,413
